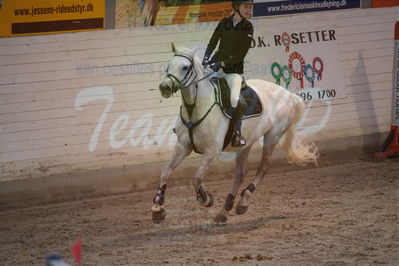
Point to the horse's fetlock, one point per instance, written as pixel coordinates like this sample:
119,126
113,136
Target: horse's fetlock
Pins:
246,194
196,183
229,202
156,200
248,191
160,195
201,194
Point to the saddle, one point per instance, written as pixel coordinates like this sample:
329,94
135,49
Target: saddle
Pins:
249,101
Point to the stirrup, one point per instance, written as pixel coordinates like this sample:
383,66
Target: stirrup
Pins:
238,140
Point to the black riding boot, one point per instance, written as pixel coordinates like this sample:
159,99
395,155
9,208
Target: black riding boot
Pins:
237,139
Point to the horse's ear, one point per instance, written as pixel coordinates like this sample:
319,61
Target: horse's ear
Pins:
173,48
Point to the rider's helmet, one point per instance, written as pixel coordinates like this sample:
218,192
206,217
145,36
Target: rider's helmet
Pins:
236,4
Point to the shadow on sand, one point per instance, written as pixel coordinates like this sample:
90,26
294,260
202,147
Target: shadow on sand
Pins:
193,232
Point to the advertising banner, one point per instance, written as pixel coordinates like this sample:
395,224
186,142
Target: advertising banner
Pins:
286,7
304,61
385,3
139,13
26,17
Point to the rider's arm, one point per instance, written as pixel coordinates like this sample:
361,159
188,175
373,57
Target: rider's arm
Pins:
244,47
214,39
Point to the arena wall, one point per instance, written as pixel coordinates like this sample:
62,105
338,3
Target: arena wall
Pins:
89,101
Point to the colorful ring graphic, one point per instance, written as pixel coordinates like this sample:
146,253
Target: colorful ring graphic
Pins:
320,70
280,72
297,75
286,39
286,79
312,77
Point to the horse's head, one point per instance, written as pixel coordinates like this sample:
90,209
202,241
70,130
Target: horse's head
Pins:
181,71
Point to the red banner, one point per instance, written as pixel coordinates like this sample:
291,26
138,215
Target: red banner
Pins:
397,31
385,3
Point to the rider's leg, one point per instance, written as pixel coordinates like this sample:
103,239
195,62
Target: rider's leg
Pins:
234,81
241,109
237,139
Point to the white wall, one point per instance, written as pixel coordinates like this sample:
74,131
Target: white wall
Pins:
49,114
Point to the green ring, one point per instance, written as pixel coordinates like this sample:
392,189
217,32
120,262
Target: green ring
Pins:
277,77
287,80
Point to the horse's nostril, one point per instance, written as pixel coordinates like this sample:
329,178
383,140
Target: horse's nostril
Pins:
163,87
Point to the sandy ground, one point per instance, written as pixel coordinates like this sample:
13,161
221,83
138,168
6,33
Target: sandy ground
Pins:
343,214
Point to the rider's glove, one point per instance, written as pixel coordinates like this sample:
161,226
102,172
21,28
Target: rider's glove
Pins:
216,66
205,62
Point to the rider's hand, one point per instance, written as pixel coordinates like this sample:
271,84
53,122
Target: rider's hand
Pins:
205,62
216,66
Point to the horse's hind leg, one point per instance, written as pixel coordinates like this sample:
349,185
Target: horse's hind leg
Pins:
241,171
267,150
158,212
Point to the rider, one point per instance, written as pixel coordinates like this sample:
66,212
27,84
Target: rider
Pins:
235,35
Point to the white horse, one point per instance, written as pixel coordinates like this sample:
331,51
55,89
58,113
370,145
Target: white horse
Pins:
282,110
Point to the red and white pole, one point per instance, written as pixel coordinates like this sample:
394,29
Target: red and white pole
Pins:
390,148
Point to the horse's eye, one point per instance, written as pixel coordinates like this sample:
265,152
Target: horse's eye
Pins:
185,68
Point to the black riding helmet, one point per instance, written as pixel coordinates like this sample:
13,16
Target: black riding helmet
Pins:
236,5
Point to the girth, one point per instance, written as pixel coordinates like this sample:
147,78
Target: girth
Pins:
190,125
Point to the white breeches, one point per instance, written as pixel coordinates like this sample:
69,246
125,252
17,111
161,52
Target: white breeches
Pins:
234,81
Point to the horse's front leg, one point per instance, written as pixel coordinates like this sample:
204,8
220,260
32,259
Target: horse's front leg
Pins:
204,198
158,211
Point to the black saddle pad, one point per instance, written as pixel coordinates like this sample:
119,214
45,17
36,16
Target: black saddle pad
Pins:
254,105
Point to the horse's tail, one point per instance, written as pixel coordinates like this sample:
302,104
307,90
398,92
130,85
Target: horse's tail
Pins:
299,150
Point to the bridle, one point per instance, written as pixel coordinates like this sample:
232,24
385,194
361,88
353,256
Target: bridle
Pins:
191,72
192,75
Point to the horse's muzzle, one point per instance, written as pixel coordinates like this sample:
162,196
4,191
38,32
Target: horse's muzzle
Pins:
166,89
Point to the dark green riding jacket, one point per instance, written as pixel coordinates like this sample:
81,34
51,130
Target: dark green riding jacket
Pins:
235,42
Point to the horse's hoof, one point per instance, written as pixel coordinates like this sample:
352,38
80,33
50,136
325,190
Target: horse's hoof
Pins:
220,219
159,216
240,210
209,201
